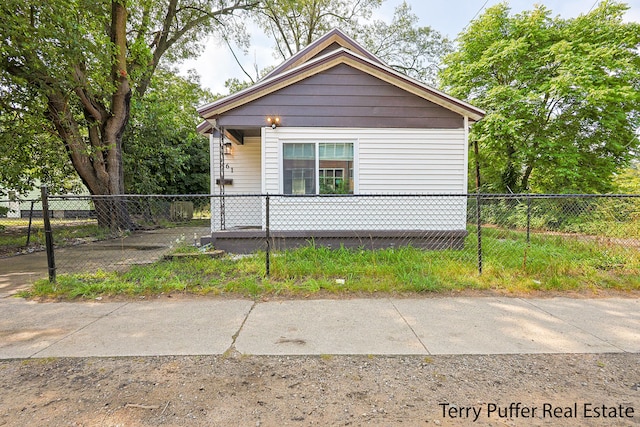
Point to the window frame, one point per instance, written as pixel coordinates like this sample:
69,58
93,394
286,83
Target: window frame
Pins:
323,178
352,174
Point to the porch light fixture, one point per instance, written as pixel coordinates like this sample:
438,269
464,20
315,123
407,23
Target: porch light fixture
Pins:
273,121
227,148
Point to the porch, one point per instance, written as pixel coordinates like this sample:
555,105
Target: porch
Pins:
245,223
244,241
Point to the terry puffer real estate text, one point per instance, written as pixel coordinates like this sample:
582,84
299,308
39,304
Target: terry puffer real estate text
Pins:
546,410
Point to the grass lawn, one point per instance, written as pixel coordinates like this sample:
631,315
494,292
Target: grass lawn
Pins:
549,262
13,233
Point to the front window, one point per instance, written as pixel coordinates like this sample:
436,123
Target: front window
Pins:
318,168
299,161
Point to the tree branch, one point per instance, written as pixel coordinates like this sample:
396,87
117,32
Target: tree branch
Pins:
120,100
94,109
60,116
167,37
226,40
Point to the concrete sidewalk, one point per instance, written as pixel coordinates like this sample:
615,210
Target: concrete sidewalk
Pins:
488,325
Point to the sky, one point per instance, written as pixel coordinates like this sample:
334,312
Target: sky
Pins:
216,64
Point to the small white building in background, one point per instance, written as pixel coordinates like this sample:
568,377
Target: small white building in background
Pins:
19,205
335,120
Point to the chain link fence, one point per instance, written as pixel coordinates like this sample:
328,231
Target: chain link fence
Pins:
553,231
476,231
21,226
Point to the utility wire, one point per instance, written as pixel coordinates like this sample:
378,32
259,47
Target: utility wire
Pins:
477,13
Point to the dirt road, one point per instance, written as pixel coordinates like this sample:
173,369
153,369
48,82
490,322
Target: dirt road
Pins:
234,390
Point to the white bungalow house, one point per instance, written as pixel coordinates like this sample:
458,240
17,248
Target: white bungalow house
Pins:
334,119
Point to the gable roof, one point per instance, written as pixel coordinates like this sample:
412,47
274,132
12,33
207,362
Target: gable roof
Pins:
333,37
317,58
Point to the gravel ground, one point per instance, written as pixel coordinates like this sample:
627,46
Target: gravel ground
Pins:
237,390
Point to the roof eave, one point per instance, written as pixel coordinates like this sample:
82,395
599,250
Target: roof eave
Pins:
330,60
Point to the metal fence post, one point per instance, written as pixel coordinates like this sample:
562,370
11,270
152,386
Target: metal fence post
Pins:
268,249
30,222
479,232
528,218
48,234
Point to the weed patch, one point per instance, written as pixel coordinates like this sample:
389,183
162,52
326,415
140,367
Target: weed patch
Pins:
510,264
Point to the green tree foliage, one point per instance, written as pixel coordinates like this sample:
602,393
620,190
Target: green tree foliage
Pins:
234,84
404,45
627,181
29,151
294,24
163,152
562,96
80,63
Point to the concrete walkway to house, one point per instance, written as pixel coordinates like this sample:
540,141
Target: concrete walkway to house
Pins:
203,326
142,247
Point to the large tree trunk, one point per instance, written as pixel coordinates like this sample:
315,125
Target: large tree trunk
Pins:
99,163
102,169
525,178
89,103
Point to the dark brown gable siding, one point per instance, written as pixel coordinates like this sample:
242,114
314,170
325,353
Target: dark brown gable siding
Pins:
333,46
343,97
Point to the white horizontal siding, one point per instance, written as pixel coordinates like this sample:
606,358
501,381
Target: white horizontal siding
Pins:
407,161
388,161
271,159
244,168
